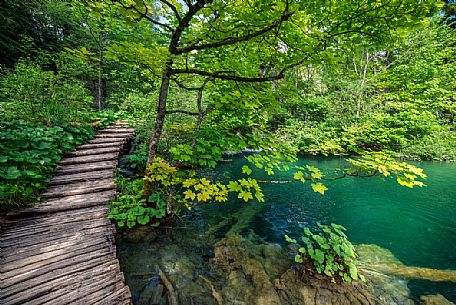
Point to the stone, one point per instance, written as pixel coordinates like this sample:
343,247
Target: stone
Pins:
437,299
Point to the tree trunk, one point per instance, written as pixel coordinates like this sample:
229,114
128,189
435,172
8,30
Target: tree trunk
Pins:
361,89
159,121
100,68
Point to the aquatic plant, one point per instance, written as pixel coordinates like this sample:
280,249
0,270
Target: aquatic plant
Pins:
330,252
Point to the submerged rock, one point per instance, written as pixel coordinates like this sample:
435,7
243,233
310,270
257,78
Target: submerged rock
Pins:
260,274
375,258
241,269
437,299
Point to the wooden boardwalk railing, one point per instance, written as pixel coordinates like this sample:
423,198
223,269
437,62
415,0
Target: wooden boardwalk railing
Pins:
62,251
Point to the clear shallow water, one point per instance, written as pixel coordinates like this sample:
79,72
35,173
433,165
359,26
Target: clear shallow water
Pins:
417,225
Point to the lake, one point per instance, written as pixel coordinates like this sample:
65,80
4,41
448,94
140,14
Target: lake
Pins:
417,225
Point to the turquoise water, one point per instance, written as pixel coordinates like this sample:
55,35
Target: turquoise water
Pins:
417,225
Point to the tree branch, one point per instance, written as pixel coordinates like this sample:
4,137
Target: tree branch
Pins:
173,8
217,75
342,176
233,40
182,111
181,85
143,15
184,23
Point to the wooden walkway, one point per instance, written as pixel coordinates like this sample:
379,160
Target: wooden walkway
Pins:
62,251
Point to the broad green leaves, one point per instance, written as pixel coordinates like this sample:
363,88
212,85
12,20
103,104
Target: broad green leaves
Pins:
28,154
203,191
330,251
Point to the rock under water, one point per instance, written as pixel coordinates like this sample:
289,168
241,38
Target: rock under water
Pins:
239,268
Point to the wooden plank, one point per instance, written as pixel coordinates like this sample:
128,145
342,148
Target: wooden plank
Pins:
86,290
87,167
53,224
95,151
100,145
56,274
37,253
121,123
101,290
80,177
22,266
43,292
80,256
113,135
107,140
121,296
79,188
89,159
118,129
19,264
72,294
52,217
95,230
65,204
89,228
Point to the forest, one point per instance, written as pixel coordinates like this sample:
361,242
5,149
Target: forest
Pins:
231,100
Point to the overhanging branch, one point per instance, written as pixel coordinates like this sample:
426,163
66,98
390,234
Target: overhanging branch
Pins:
233,40
218,75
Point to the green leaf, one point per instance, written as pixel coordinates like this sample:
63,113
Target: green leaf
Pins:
319,188
353,271
143,219
319,256
234,186
299,176
138,211
290,240
12,173
298,258
245,195
246,170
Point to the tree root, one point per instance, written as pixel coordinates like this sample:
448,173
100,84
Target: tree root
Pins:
169,287
215,294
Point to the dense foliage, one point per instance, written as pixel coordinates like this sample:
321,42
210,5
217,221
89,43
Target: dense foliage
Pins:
42,116
28,154
401,102
202,79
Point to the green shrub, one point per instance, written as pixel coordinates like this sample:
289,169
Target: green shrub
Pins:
137,159
330,252
31,94
130,208
28,153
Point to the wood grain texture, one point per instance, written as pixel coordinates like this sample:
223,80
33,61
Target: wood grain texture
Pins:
63,250
81,177
100,145
87,167
67,203
95,151
89,159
